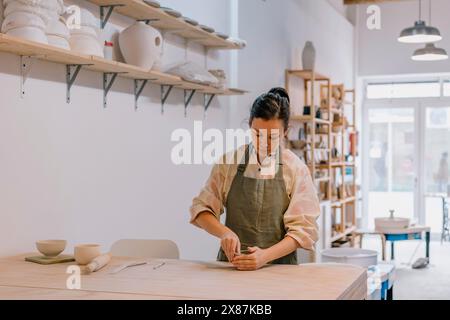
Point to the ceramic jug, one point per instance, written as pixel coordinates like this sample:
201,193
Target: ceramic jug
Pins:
141,45
309,56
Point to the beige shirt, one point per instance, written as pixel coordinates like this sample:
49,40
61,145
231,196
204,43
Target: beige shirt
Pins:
301,215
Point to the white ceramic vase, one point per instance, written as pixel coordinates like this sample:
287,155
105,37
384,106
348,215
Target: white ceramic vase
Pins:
309,56
141,45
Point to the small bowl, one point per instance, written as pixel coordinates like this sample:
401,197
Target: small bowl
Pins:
51,248
85,253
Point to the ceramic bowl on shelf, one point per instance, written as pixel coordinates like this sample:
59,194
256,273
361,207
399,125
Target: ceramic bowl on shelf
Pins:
152,3
20,19
85,44
171,12
45,10
190,21
206,28
141,45
29,33
51,248
58,28
87,19
222,35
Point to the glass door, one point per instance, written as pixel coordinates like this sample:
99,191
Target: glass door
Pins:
436,164
392,166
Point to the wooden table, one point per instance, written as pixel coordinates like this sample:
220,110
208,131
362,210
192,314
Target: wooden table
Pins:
179,279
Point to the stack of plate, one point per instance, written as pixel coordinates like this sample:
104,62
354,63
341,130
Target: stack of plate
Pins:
84,39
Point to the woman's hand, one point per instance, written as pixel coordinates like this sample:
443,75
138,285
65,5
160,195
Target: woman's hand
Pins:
256,258
230,244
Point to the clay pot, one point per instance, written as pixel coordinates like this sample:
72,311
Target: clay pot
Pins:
309,56
141,45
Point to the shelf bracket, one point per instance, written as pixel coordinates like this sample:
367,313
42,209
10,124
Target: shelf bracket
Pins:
104,16
188,94
108,81
139,86
26,62
207,99
165,92
72,71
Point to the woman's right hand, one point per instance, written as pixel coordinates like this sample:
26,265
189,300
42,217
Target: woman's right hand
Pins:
230,244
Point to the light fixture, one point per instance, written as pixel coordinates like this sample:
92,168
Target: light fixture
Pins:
430,53
420,32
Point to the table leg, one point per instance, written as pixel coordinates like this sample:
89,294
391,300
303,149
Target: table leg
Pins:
427,245
383,247
392,250
390,293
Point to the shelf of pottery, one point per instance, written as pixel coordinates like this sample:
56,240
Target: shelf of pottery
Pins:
325,140
49,30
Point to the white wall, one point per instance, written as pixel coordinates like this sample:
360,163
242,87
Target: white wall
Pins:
88,174
278,31
379,51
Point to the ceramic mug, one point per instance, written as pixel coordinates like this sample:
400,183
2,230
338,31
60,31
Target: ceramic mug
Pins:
85,253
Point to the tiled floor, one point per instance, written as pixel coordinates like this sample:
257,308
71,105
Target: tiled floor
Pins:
432,283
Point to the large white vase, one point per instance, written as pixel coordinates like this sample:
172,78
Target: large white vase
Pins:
140,45
309,56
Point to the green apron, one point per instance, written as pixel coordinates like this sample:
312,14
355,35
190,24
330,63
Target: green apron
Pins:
255,210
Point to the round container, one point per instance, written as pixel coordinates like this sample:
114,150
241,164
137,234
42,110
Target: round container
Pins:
355,256
51,248
29,33
58,28
58,41
85,44
141,45
85,253
20,19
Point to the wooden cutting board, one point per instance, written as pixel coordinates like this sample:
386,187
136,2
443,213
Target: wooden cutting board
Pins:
53,260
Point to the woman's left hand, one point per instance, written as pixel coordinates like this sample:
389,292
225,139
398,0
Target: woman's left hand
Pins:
252,261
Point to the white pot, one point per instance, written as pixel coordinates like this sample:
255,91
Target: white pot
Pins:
45,14
51,5
29,33
85,30
85,44
20,19
355,256
309,56
58,28
140,45
58,41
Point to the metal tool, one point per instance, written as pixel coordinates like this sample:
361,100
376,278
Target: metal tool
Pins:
128,265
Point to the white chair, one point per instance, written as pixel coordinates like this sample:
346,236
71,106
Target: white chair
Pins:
158,249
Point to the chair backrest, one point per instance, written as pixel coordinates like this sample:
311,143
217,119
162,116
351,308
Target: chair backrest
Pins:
136,248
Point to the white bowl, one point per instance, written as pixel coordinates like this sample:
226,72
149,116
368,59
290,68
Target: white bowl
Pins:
51,248
85,30
355,256
45,14
85,44
140,45
51,5
85,253
29,33
58,28
19,19
58,41
88,19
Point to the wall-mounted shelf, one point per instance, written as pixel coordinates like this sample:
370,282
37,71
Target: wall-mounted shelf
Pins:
139,10
50,53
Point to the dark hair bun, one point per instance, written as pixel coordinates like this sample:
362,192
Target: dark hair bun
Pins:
281,92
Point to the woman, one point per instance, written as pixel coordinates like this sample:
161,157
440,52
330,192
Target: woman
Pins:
270,200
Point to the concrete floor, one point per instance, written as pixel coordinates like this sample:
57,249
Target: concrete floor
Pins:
432,283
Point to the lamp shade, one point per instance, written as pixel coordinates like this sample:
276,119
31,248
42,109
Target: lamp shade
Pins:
420,33
430,53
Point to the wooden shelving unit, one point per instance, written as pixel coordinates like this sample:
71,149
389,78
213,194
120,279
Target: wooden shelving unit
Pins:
331,131
139,10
